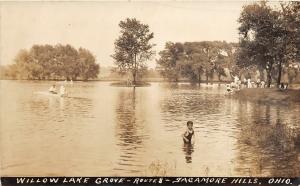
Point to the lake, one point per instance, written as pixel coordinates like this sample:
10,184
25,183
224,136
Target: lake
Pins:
102,130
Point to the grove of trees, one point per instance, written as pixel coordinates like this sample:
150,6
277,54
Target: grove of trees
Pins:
47,62
269,44
270,38
194,60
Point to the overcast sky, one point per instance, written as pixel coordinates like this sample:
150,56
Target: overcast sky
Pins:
94,25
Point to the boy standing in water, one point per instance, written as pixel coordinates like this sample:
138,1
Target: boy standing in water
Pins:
188,135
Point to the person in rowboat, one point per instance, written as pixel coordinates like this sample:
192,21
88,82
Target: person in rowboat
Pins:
52,89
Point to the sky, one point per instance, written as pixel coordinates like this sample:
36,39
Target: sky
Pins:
94,24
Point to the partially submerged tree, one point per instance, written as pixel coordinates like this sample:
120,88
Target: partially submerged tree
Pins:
133,47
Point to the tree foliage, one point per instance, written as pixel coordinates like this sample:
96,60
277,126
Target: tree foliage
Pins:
169,59
45,62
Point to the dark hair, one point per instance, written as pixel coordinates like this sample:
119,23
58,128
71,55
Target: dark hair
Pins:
189,122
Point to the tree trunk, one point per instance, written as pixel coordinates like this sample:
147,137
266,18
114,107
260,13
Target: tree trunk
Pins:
135,70
269,77
199,78
133,75
207,79
279,74
261,74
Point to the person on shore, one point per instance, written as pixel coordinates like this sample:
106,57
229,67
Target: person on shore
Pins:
258,83
283,86
52,89
236,79
262,84
188,135
245,83
228,88
239,84
249,84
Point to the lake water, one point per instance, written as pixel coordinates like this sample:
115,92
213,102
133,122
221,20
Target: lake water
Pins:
102,130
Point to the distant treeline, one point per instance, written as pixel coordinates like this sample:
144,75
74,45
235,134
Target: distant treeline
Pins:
47,62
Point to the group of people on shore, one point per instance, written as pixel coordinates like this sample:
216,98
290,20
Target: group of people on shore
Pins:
237,84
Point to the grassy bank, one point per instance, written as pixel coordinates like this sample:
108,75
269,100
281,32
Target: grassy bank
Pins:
269,95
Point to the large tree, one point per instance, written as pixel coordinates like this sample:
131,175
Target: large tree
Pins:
258,37
87,63
133,47
168,61
268,37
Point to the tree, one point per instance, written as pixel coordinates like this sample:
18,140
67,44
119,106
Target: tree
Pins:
133,47
88,67
168,61
193,61
211,52
289,27
257,37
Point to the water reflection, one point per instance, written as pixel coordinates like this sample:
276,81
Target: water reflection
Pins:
188,150
129,132
267,145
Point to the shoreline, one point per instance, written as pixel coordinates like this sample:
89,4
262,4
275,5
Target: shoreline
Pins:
147,80
268,95
292,86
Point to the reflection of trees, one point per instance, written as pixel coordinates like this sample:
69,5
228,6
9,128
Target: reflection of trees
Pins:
126,119
266,147
128,130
